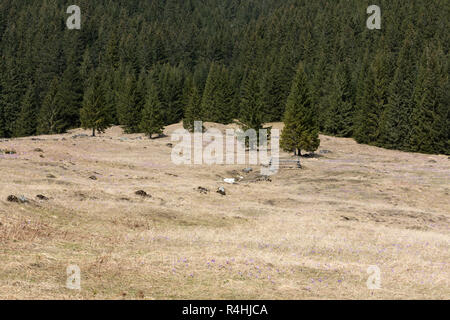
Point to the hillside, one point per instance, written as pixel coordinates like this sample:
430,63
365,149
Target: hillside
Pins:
386,87
309,233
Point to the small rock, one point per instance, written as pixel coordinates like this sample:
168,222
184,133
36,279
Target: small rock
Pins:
12,198
263,178
8,151
247,170
432,161
42,197
324,151
221,190
143,194
229,180
202,190
50,176
38,150
93,177
81,135
170,145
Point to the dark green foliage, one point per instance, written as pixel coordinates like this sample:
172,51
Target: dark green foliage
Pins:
300,128
193,111
396,124
376,86
26,122
94,114
430,117
50,119
169,81
340,113
217,102
251,108
373,100
152,121
128,105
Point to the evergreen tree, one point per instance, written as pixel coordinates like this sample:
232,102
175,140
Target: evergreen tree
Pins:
152,121
373,100
217,101
12,90
300,129
193,111
128,111
251,109
170,83
94,113
70,96
50,120
395,122
429,132
340,114
26,122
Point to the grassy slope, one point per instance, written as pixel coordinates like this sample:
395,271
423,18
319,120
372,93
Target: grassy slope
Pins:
309,233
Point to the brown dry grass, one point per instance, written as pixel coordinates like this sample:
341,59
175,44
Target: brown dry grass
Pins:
309,233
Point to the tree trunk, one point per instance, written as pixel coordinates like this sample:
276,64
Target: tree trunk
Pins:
93,132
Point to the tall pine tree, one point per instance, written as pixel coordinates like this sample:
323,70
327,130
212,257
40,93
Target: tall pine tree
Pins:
94,114
300,128
152,121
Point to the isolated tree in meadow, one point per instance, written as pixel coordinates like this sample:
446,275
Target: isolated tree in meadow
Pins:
152,121
300,128
95,114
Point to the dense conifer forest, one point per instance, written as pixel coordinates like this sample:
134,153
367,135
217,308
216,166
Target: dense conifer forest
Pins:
144,64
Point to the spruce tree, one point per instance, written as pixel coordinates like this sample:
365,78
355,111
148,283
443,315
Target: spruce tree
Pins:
152,121
94,114
217,101
300,128
429,133
26,122
170,87
128,111
70,96
395,123
251,109
373,100
50,120
193,111
340,113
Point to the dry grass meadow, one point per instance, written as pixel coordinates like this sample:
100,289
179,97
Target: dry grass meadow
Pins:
307,234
